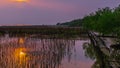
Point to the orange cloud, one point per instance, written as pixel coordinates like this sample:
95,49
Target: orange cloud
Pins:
3,2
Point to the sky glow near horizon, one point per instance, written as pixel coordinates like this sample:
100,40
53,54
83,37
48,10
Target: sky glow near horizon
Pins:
48,12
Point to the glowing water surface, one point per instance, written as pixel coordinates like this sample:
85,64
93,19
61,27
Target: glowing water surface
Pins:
22,52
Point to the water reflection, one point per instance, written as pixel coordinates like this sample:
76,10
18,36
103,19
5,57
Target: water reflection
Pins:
24,52
105,56
95,53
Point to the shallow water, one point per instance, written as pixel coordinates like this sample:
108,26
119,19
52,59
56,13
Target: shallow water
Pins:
25,52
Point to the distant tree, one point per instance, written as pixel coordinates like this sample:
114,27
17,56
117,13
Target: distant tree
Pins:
77,22
58,24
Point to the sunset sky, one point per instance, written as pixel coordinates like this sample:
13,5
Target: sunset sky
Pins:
48,11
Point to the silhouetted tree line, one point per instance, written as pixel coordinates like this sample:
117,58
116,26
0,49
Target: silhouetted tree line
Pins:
77,22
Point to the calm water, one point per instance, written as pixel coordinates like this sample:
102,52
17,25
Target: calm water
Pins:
26,52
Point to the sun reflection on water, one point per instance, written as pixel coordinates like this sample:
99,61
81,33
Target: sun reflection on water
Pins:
19,52
28,53
20,56
21,41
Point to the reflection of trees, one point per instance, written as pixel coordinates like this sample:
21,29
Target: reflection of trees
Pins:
115,53
93,51
35,53
104,56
